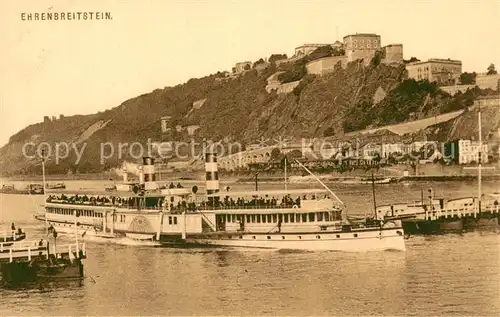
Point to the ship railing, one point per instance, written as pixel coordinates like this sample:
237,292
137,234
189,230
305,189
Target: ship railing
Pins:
33,248
70,248
250,207
25,249
21,245
459,212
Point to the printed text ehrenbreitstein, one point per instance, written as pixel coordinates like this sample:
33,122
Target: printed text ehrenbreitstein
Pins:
65,16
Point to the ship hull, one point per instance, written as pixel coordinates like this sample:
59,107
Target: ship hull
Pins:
356,241
432,226
22,272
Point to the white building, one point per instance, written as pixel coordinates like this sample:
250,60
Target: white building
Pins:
370,150
468,152
391,148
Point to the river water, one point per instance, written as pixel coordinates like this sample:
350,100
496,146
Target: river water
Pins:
453,274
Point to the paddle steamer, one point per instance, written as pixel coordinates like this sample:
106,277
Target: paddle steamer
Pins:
306,219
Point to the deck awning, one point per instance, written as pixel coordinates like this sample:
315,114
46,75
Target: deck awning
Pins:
270,193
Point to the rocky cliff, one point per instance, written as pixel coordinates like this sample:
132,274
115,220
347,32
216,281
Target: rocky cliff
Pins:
238,108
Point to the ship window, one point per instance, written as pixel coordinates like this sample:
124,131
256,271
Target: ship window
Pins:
327,216
175,220
248,218
269,218
338,236
304,217
253,218
297,217
264,218
275,218
258,218
355,235
233,218
292,218
311,217
299,237
241,237
283,237
318,237
230,236
320,216
253,237
169,220
268,237
285,217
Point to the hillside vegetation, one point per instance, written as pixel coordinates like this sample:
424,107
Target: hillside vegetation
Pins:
240,109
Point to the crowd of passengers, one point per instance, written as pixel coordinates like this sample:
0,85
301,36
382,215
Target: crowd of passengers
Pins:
228,202
96,201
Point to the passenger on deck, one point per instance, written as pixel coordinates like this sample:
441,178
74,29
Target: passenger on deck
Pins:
40,244
13,227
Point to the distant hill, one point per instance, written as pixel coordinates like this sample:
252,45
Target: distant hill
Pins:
240,109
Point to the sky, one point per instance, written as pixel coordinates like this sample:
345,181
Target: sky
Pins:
82,67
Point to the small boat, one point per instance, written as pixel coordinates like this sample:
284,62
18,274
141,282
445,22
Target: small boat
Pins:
8,237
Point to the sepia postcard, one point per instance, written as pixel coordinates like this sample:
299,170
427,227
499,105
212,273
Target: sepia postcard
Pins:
249,158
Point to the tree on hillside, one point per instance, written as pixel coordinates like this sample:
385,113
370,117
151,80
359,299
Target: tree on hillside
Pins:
247,67
275,154
294,154
260,61
338,52
320,52
491,70
377,58
468,78
294,72
411,60
329,132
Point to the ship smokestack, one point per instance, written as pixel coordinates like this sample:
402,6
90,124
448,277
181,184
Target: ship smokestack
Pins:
149,174
212,177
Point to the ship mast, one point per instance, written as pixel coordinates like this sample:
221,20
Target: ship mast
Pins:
285,176
44,190
479,159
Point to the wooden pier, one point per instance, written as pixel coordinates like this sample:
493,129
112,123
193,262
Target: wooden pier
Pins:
438,216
